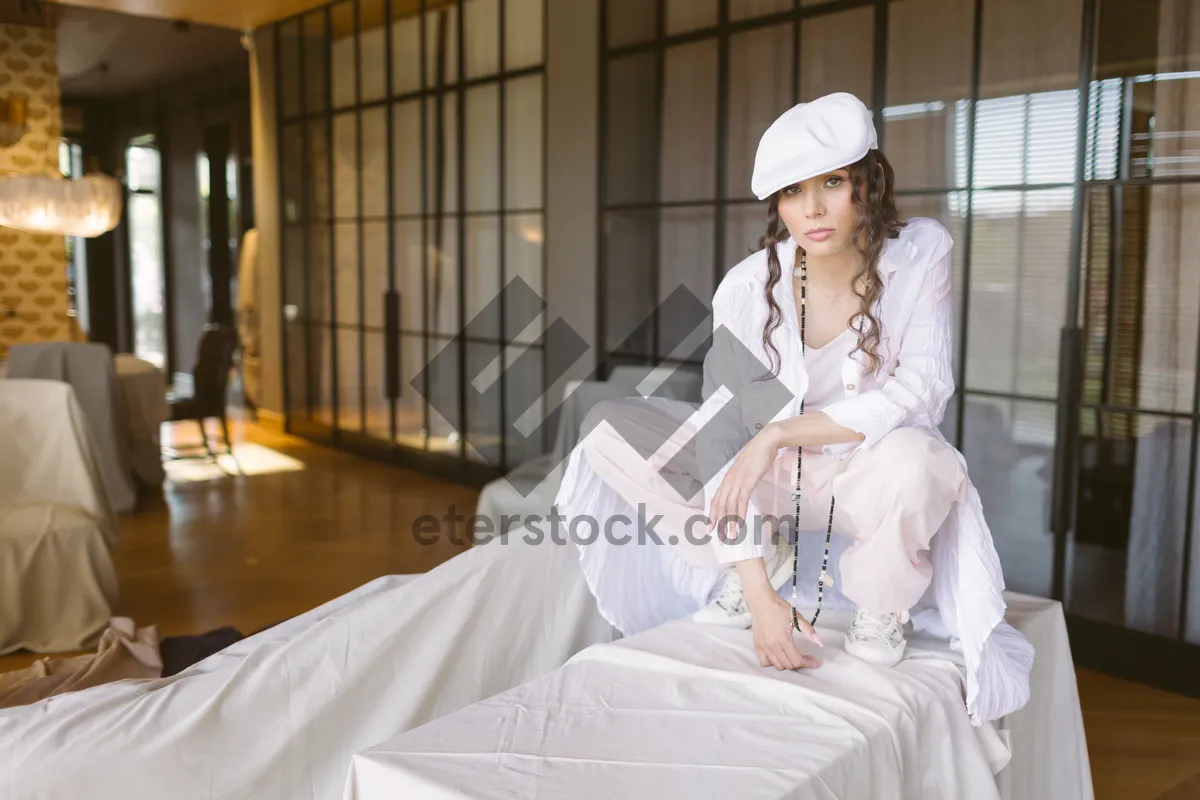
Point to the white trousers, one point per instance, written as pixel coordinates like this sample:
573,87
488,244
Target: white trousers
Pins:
891,499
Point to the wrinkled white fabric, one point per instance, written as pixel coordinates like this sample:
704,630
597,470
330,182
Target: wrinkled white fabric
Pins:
57,581
685,710
915,311
279,714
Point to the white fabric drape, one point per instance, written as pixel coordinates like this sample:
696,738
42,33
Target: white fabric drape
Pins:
684,710
279,714
57,583
90,370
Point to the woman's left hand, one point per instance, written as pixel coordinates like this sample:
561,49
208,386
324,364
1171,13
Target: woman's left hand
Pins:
733,495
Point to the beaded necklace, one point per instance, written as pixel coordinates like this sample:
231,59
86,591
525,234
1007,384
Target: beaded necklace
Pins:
824,578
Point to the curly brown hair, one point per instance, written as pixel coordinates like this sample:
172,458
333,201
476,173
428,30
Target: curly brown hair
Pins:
878,221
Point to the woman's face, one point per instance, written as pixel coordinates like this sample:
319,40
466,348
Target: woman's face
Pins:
819,214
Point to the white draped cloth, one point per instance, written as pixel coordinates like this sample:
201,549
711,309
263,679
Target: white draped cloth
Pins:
57,582
89,368
279,714
685,710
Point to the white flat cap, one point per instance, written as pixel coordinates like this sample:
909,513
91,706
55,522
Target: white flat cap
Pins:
812,138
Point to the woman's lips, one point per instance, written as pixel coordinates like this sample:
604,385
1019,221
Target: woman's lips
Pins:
819,234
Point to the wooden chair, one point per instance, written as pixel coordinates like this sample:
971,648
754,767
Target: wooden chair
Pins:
210,382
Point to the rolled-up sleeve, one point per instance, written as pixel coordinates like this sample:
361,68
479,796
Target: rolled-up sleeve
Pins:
917,393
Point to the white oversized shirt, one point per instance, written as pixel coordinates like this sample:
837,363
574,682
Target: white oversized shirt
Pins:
912,387
915,310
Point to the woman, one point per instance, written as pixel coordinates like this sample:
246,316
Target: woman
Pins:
829,372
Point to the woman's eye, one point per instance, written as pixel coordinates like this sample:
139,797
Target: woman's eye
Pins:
834,182
791,190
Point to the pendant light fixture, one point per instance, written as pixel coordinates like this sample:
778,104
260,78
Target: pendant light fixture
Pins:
87,206
47,203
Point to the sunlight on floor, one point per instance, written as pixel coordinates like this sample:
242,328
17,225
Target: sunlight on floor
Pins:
247,459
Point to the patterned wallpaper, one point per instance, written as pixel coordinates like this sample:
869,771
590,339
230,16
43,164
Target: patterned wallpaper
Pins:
33,280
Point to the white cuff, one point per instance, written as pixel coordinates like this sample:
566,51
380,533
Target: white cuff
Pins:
749,543
871,413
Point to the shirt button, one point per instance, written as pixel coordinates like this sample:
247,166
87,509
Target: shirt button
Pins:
850,386
758,426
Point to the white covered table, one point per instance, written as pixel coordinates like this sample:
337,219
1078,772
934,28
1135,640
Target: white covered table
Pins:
144,392
685,710
143,395
57,582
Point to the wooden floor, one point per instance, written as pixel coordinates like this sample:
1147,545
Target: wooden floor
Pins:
306,524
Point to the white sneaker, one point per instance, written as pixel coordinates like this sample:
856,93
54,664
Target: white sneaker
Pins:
877,638
730,608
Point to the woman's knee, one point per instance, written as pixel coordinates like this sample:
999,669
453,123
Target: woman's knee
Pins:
915,460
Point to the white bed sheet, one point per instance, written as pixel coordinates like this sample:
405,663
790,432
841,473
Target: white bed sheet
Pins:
685,710
280,714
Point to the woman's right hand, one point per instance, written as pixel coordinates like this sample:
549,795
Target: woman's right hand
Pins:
771,625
